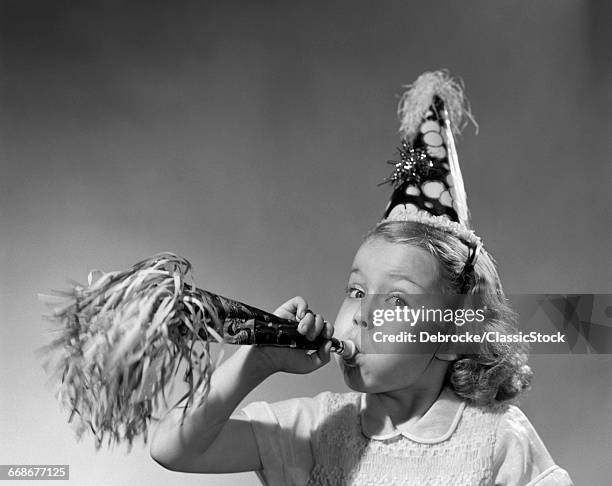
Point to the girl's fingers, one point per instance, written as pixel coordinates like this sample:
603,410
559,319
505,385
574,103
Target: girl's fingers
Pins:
328,331
306,324
319,324
301,307
322,356
293,308
311,325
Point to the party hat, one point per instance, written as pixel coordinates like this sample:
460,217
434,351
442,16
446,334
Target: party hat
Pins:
427,181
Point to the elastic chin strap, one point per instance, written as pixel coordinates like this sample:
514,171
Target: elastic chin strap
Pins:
467,276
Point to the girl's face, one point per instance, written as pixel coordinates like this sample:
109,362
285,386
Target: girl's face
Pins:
390,271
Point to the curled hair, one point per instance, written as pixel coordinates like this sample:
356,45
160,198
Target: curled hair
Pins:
499,372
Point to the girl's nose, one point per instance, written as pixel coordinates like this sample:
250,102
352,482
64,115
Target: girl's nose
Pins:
358,320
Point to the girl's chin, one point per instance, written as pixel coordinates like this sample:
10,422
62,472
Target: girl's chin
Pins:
355,383
354,377
353,362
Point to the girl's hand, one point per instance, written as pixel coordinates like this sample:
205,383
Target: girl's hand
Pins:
299,361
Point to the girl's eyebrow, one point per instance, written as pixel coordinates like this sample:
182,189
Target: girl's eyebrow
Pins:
394,275
401,276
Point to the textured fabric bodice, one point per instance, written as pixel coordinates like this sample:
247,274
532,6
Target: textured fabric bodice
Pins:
343,455
348,439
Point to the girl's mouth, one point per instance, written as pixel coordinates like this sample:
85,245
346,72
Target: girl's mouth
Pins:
345,349
352,360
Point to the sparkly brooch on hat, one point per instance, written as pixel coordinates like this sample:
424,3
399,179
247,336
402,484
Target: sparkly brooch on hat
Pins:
427,183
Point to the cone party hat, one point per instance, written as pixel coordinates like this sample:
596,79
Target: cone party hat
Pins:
427,181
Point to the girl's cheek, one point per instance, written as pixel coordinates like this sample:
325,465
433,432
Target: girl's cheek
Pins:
343,327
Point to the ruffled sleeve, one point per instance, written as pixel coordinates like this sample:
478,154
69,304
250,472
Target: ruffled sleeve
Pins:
283,432
520,457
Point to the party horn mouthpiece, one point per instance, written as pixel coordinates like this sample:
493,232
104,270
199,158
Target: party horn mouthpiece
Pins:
346,349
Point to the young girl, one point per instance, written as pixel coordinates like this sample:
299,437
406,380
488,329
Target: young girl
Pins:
414,419
428,415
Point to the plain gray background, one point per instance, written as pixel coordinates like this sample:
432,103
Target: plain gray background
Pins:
249,138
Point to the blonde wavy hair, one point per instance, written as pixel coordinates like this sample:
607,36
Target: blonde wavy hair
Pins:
498,372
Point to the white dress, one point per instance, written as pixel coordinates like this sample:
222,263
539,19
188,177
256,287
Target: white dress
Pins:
349,439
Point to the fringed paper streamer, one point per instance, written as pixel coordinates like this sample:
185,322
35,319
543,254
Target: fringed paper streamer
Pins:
120,343
122,339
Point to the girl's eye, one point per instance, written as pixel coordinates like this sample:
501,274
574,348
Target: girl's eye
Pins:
355,293
397,301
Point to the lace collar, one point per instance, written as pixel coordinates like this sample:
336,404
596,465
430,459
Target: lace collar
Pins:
436,425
